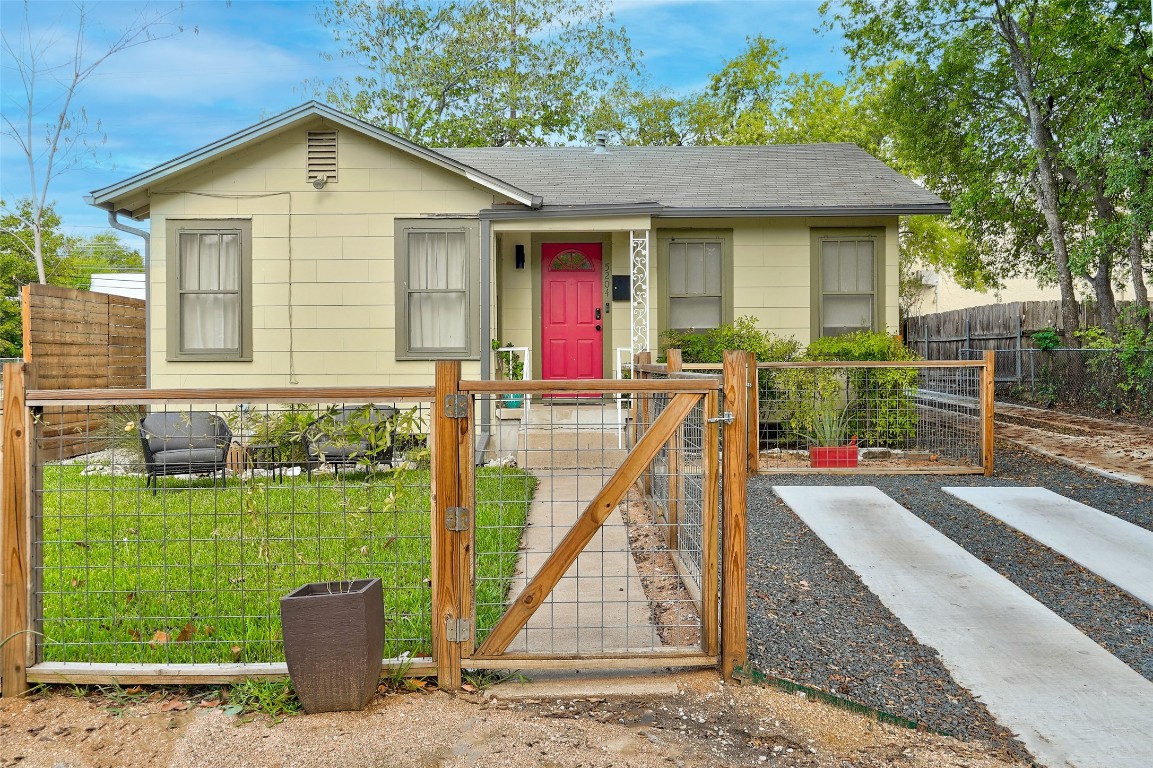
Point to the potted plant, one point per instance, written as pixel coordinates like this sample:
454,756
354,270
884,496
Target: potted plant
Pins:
511,366
334,643
826,436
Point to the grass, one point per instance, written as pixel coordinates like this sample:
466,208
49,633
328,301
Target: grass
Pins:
194,573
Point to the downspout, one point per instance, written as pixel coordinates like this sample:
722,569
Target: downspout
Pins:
142,233
485,331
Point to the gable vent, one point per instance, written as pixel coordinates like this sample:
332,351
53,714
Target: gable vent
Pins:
322,155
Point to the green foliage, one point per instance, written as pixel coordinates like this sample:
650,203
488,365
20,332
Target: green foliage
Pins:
859,345
709,346
879,405
476,72
274,698
1130,366
1032,119
828,424
1046,339
509,363
283,428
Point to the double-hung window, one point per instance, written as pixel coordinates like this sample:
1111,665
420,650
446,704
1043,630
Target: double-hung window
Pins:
209,290
435,288
695,283
848,280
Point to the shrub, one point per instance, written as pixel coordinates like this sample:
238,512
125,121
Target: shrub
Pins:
879,401
709,346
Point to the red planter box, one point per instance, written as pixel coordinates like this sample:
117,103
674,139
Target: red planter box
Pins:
834,456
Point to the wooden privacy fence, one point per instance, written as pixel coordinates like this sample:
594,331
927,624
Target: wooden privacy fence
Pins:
108,580
1009,326
82,340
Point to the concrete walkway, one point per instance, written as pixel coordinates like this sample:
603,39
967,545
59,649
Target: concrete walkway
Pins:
1117,551
1070,702
599,606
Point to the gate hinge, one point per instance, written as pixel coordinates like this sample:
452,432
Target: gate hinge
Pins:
457,630
455,406
725,418
456,518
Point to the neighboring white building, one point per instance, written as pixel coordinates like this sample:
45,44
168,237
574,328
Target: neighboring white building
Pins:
130,285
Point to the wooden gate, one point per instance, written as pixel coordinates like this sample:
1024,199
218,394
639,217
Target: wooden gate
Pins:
613,569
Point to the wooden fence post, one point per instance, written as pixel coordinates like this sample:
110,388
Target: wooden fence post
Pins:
674,450
452,473
988,394
15,525
734,470
754,417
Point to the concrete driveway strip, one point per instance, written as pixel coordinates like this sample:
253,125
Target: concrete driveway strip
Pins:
1070,702
1117,551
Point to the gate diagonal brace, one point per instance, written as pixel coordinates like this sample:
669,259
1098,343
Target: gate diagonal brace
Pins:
586,526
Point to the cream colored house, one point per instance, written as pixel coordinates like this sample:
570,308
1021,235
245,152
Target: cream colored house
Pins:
315,249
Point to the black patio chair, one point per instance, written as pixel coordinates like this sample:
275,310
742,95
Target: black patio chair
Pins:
351,435
184,443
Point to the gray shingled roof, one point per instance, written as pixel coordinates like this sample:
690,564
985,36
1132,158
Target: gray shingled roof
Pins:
808,177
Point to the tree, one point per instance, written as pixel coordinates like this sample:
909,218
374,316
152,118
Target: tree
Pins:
994,98
476,72
17,270
51,81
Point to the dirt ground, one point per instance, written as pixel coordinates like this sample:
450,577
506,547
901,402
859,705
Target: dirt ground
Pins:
1112,447
705,724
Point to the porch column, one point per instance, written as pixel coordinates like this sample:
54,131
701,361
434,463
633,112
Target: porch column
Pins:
639,273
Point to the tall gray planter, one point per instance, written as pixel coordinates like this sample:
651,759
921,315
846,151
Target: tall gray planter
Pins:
334,643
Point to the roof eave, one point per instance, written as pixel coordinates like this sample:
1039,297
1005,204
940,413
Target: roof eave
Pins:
105,197
658,210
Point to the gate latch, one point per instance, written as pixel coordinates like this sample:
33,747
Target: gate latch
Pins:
455,406
725,418
457,630
456,518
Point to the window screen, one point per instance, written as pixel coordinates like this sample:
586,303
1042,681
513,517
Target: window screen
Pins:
848,286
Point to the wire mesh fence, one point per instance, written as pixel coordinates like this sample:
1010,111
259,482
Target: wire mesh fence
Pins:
175,532
165,526
870,417
1106,381
635,588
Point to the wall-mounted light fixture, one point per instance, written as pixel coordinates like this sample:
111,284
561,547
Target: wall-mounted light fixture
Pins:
520,257
319,182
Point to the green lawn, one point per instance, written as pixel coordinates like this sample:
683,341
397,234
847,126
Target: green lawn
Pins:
195,573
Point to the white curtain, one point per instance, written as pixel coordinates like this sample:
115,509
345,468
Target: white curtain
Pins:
209,291
437,290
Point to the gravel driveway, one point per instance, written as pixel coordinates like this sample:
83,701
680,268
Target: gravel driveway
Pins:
812,620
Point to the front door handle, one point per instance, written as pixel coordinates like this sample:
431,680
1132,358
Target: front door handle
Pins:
598,313
598,327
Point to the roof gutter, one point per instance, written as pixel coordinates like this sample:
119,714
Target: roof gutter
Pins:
115,223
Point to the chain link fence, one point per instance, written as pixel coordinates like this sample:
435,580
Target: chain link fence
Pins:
1106,381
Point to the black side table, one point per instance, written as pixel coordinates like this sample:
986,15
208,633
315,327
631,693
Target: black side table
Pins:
271,458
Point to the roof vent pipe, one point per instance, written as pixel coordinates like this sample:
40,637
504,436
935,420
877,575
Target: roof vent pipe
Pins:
602,141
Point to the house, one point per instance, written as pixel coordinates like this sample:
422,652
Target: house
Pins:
316,249
127,284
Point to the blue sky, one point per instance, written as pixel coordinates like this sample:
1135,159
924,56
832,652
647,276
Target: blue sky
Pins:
249,59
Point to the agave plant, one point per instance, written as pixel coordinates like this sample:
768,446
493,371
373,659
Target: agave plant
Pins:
830,425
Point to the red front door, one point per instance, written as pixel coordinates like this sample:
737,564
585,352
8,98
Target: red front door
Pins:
571,305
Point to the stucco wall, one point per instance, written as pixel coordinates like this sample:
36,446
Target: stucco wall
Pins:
340,262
